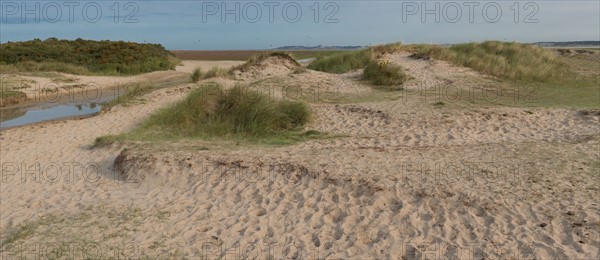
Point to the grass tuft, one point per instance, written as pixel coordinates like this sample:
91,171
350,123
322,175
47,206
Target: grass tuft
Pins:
342,62
386,75
196,75
211,112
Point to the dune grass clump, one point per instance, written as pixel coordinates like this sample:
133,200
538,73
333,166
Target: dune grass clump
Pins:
342,62
212,113
196,75
507,60
384,75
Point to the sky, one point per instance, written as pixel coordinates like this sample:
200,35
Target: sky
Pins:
244,25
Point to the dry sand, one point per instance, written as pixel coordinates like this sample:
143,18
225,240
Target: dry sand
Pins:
406,180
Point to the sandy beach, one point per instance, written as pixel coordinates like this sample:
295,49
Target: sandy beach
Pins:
403,178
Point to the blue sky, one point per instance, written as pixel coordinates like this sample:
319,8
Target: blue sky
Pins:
199,24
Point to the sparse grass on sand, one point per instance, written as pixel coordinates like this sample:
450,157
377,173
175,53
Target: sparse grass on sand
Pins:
9,97
130,95
247,54
506,60
534,73
198,74
211,112
260,58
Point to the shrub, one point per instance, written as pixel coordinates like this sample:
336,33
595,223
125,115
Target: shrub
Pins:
85,56
388,75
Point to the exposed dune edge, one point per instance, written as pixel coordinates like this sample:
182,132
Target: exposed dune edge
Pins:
268,67
139,167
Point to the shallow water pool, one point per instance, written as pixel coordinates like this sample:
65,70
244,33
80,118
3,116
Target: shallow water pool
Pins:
28,115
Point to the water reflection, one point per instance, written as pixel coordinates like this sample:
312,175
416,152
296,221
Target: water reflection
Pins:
21,116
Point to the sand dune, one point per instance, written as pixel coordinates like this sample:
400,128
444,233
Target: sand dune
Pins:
406,180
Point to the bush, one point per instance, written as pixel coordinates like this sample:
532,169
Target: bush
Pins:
212,111
388,75
84,56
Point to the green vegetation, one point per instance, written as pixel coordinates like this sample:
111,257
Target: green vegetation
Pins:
32,66
342,62
506,60
527,75
237,114
85,57
130,95
384,75
375,73
389,48
211,111
196,75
